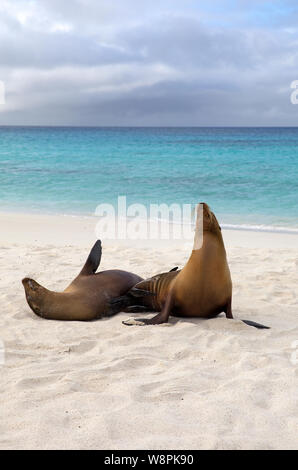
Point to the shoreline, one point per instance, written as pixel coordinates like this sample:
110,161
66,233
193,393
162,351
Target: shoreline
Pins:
269,228
80,230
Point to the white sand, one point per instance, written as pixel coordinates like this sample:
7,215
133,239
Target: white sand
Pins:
192,384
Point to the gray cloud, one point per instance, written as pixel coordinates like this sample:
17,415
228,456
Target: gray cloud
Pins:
125,63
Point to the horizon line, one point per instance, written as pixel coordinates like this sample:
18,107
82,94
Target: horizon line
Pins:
144,127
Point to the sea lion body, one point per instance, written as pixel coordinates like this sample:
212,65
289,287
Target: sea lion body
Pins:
88,295
153,292
203,288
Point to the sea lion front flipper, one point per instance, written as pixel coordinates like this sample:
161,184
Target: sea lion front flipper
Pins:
228,309
228,312
256,325
93,260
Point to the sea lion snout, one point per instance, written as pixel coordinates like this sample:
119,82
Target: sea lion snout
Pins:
206,209
209,220
205,206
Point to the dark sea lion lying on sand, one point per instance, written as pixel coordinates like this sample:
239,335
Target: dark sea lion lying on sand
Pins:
86,298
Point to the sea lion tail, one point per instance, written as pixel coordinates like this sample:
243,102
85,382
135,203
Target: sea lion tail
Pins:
256,325
93,259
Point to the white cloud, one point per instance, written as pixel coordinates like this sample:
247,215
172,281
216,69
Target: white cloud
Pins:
138,63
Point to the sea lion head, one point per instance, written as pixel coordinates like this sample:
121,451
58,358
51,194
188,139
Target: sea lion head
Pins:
210,221
34,295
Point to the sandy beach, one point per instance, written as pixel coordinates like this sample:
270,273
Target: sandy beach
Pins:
190,384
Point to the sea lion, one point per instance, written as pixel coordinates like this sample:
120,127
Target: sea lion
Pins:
86,298
148,295
203,288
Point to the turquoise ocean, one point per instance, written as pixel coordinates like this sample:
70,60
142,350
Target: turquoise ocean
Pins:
249,176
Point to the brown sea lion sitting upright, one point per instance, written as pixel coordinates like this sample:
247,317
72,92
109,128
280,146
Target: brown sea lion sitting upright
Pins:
203,288
86,298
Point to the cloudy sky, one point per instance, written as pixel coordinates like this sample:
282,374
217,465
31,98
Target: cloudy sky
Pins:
149,63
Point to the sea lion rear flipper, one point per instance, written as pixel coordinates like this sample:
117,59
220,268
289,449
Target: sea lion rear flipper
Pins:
256,325
93,259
